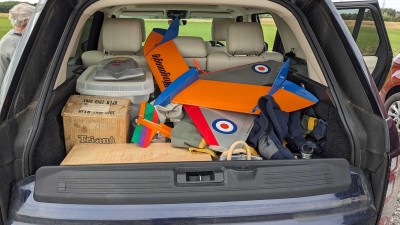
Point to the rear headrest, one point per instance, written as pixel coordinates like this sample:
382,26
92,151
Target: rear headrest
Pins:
245,39
143,28
122,35
219,28
191,47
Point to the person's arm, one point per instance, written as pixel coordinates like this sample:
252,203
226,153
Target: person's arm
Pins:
7,49
4,62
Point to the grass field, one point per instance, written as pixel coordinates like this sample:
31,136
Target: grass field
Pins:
202,28
5,25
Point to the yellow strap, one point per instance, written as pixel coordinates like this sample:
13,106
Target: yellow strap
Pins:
202,143
312,122
253,151
202,150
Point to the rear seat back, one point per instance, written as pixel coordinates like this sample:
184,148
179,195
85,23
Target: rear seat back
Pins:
192,48
120,37
219,31
245,45
245,39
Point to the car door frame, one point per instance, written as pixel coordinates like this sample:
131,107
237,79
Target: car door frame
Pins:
27,79
9,121
384,51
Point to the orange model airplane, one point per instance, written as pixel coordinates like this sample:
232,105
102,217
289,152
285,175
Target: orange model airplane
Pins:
167,64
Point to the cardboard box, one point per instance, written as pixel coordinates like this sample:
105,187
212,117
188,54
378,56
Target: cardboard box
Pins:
94,119
84,154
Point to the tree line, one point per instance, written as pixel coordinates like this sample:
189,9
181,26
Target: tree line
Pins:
6,6
388,14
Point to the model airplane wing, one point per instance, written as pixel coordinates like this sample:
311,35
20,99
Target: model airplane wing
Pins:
176,87
220,129
148,125
260,73
243,98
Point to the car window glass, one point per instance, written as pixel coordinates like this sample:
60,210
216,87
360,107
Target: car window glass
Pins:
362,26
368,38
269,29
198,27
84,37
195,26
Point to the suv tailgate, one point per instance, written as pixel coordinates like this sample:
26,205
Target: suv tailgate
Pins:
351,206
191,182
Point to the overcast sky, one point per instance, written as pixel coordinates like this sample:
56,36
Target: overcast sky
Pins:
391,4
395,4
388,3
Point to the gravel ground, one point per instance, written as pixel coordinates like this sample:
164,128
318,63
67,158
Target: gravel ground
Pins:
396,216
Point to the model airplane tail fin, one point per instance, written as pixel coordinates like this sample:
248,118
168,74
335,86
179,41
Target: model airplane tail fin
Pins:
280,79
162,55
288,95
148,125
299,91
159,36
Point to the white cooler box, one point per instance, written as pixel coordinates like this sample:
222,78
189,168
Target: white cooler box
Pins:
136,89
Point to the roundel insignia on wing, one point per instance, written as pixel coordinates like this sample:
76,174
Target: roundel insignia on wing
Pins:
261,68
224,126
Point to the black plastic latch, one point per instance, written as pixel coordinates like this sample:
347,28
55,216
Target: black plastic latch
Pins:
197,176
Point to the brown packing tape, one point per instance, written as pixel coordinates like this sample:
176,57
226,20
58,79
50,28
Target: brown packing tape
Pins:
98,100
93,110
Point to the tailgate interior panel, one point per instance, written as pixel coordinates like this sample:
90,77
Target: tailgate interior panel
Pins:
191,182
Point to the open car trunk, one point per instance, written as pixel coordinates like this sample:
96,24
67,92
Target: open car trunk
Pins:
342,184
176,182
324,189
328,172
